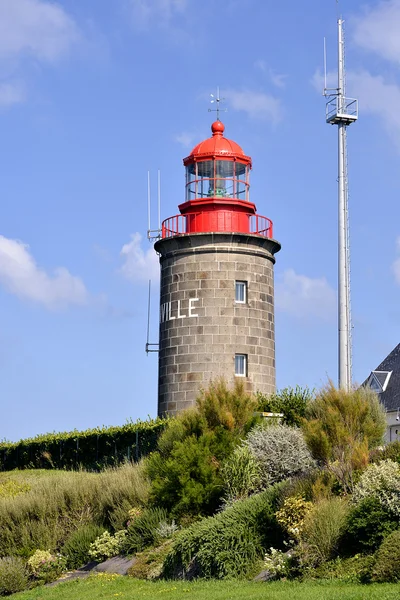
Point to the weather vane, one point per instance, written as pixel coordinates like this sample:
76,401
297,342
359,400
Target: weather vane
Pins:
217,101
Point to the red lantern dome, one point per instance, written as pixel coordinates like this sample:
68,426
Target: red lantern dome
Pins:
217,191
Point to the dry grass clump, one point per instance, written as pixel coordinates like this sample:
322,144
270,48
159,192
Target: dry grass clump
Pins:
56,505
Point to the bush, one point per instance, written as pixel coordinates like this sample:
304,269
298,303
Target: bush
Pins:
380,481
387,564
292,515
390,451
185,472
321,531
280,452
107,545
366,526
342,427
13,576
61,502
45,566
77,546
143,531
277,563
240,475
149,563
291,402
356,569
229,544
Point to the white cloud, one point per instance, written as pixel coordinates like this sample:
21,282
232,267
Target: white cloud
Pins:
186,139
160,12
396,263
305,297
257,105
377,30
139,265
277,79
11,93
20,275
37,28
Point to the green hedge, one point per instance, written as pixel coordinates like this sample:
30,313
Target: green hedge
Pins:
231,543
91,449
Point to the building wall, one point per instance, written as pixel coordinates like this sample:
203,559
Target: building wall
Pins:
393,427
201,325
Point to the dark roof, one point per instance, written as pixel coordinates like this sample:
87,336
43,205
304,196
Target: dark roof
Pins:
390,398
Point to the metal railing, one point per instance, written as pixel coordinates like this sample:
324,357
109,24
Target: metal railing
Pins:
226,222
338,109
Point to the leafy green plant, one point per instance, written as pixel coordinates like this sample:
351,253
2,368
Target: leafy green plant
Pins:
46,567
292,514
291,402
380,481
240,475
277,563
387,564
185,472
143,531
368,523
149,563
280,451
13,575
390,451
342,427
355,569
230,544
93,448
107,545
77,546
321,531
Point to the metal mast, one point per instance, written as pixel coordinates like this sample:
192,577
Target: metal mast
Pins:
342,111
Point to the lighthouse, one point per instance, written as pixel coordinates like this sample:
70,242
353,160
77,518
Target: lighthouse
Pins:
217,281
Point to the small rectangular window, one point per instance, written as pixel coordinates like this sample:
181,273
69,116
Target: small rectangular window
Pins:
241,292
241,365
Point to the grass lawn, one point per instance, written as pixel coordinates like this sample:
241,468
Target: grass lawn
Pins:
111,587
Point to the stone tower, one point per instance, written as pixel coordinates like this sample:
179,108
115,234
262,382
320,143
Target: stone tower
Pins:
217,280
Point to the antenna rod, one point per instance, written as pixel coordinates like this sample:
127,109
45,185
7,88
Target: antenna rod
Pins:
345,376
148,201
159,199
148,318
324,65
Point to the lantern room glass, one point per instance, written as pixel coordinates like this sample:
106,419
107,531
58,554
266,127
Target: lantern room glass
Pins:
217,179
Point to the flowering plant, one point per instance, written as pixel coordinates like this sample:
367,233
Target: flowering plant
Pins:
46,566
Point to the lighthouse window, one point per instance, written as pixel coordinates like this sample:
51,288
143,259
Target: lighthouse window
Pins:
241,365
241,292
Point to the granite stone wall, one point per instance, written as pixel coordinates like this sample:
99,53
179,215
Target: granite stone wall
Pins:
201,325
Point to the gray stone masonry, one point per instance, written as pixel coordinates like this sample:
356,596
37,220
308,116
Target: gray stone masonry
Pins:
201,325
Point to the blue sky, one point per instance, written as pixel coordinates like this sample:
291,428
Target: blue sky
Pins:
93,94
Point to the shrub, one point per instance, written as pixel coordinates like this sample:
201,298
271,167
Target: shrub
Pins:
77,546
292,514
240,475
366,526
107,545
13,576
380,481
342,427
229,544
277,563
291,402
45,566
280,452
321,531
387,564
185,472
166,530
355,569
390,451
149,563
143,531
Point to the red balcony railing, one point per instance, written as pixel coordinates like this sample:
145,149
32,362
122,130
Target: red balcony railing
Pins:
221,221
